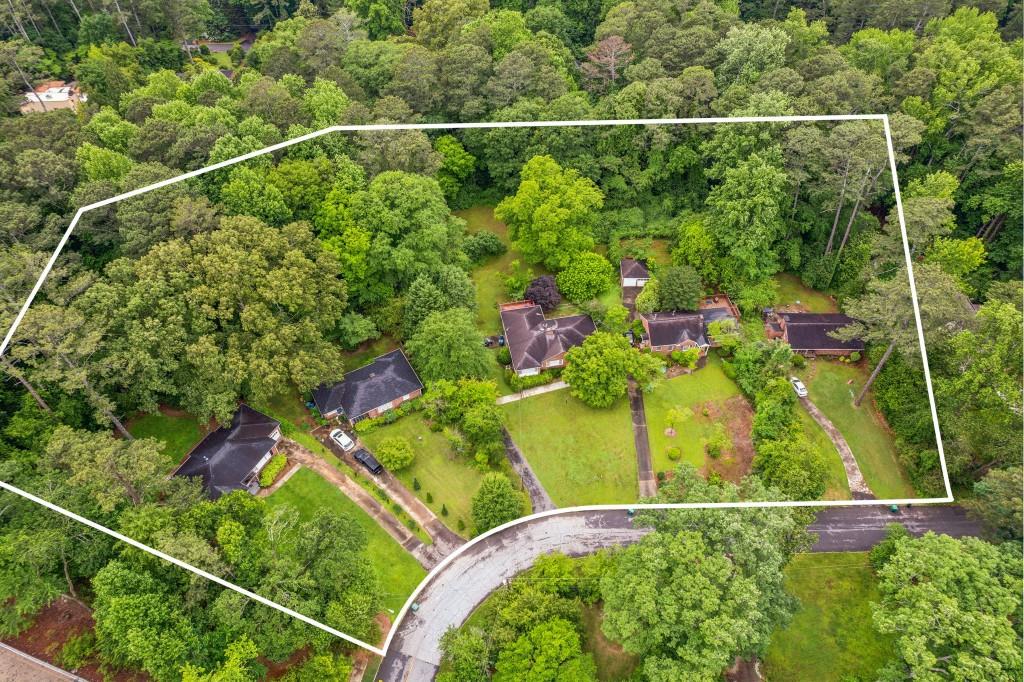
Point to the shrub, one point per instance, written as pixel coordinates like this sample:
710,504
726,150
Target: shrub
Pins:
483,246
855,356
77,650
728,369
444,510
674,453
273,468
430,498
415,483
544,292
461,525
504,356
395,453
366,425
661,476
589,274
798,361
518,383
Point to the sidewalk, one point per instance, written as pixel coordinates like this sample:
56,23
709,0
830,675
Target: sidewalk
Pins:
536,390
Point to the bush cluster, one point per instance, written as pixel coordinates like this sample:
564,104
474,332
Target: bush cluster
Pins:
275,466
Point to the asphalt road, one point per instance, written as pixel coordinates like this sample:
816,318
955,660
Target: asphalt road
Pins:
858,529
452,595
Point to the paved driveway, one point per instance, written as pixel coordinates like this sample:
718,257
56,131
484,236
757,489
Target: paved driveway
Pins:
451,595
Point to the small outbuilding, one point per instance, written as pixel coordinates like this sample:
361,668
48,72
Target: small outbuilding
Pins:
232,457
371,390
633,273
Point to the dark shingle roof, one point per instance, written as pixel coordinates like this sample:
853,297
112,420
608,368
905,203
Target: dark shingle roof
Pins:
229,454
672,329
630,267
388,377
716,314
810,331
532,339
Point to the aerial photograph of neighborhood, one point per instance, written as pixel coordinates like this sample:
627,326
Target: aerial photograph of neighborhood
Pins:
605,341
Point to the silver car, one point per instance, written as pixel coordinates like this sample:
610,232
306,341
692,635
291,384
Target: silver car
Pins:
342,439
799,387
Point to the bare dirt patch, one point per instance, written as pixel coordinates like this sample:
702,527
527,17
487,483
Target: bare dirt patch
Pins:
63,619
736,461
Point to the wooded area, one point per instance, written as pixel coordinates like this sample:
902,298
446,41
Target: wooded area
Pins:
259,280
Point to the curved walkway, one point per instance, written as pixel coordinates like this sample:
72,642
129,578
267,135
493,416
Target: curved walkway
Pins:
854,478
451,595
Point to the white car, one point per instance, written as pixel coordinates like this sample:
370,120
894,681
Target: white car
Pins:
342,439
799,387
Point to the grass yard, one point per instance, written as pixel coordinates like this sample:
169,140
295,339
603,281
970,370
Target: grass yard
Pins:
398,571
613,663
863,427
837,487
693,391
365,353
582,455
179,433
451,480
792,290
831,636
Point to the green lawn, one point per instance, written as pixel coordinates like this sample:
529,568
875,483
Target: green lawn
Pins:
837,487
831,637
582,455
451,480
690,390
179,433
398,571
613,663
296,424
793,291
489,278
864,429
367,352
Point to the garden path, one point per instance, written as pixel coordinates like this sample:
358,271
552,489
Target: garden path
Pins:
854,478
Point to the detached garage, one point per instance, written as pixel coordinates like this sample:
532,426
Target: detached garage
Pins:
633,273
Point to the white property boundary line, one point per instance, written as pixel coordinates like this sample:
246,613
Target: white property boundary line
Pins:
884,118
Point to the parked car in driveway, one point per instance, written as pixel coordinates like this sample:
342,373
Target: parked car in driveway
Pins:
343,440
799,387
369,461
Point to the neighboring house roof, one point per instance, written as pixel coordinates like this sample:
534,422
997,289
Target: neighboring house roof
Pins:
388,377
810,331
717,314
229,454
533,339
632,268
672,329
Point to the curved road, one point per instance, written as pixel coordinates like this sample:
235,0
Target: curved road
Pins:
451,595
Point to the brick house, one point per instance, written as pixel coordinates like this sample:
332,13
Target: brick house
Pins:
371,390
535,342
810,333
232,457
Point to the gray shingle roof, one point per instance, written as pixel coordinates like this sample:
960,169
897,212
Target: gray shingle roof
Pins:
532,339
229,454
672,329
810,331
388,377
631,267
